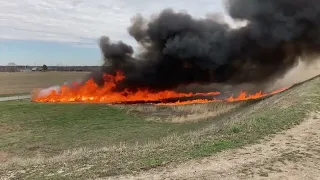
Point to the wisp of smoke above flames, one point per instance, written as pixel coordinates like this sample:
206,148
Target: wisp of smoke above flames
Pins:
179,50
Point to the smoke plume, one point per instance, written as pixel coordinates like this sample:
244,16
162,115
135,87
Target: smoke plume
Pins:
298,74
178,49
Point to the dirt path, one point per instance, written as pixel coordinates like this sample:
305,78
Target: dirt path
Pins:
294,155
13,98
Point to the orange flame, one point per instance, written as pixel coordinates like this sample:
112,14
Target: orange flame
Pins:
90,92
243,96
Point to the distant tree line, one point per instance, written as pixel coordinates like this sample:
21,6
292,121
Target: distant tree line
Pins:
44,67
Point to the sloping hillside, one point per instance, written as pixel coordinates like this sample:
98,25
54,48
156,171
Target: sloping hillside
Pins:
291,154
78,141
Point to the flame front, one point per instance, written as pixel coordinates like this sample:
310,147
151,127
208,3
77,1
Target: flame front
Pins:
243,96
90,92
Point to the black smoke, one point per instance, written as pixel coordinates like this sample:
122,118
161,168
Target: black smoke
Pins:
178,49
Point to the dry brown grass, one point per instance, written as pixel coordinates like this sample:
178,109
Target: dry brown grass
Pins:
4,157
25,82
4,128
179,114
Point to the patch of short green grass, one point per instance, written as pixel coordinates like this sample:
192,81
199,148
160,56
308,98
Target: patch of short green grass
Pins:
206,149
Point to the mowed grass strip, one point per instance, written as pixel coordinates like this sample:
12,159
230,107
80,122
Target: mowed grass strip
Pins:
24,82
144,144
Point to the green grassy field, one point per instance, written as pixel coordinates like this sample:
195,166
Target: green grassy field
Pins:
80,141
49,129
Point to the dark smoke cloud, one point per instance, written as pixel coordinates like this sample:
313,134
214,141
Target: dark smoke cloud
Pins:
178,49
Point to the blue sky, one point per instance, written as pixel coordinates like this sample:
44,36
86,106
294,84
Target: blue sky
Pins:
66,32
29,52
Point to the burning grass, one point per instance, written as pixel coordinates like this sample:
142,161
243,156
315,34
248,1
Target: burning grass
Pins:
81,141
90,92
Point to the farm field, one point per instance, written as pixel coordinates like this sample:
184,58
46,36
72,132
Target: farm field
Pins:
160,90
81,141
24,82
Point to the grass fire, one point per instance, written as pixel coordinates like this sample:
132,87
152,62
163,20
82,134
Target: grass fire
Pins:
178,50
201,99
91,92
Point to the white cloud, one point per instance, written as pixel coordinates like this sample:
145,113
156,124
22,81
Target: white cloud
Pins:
84,21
